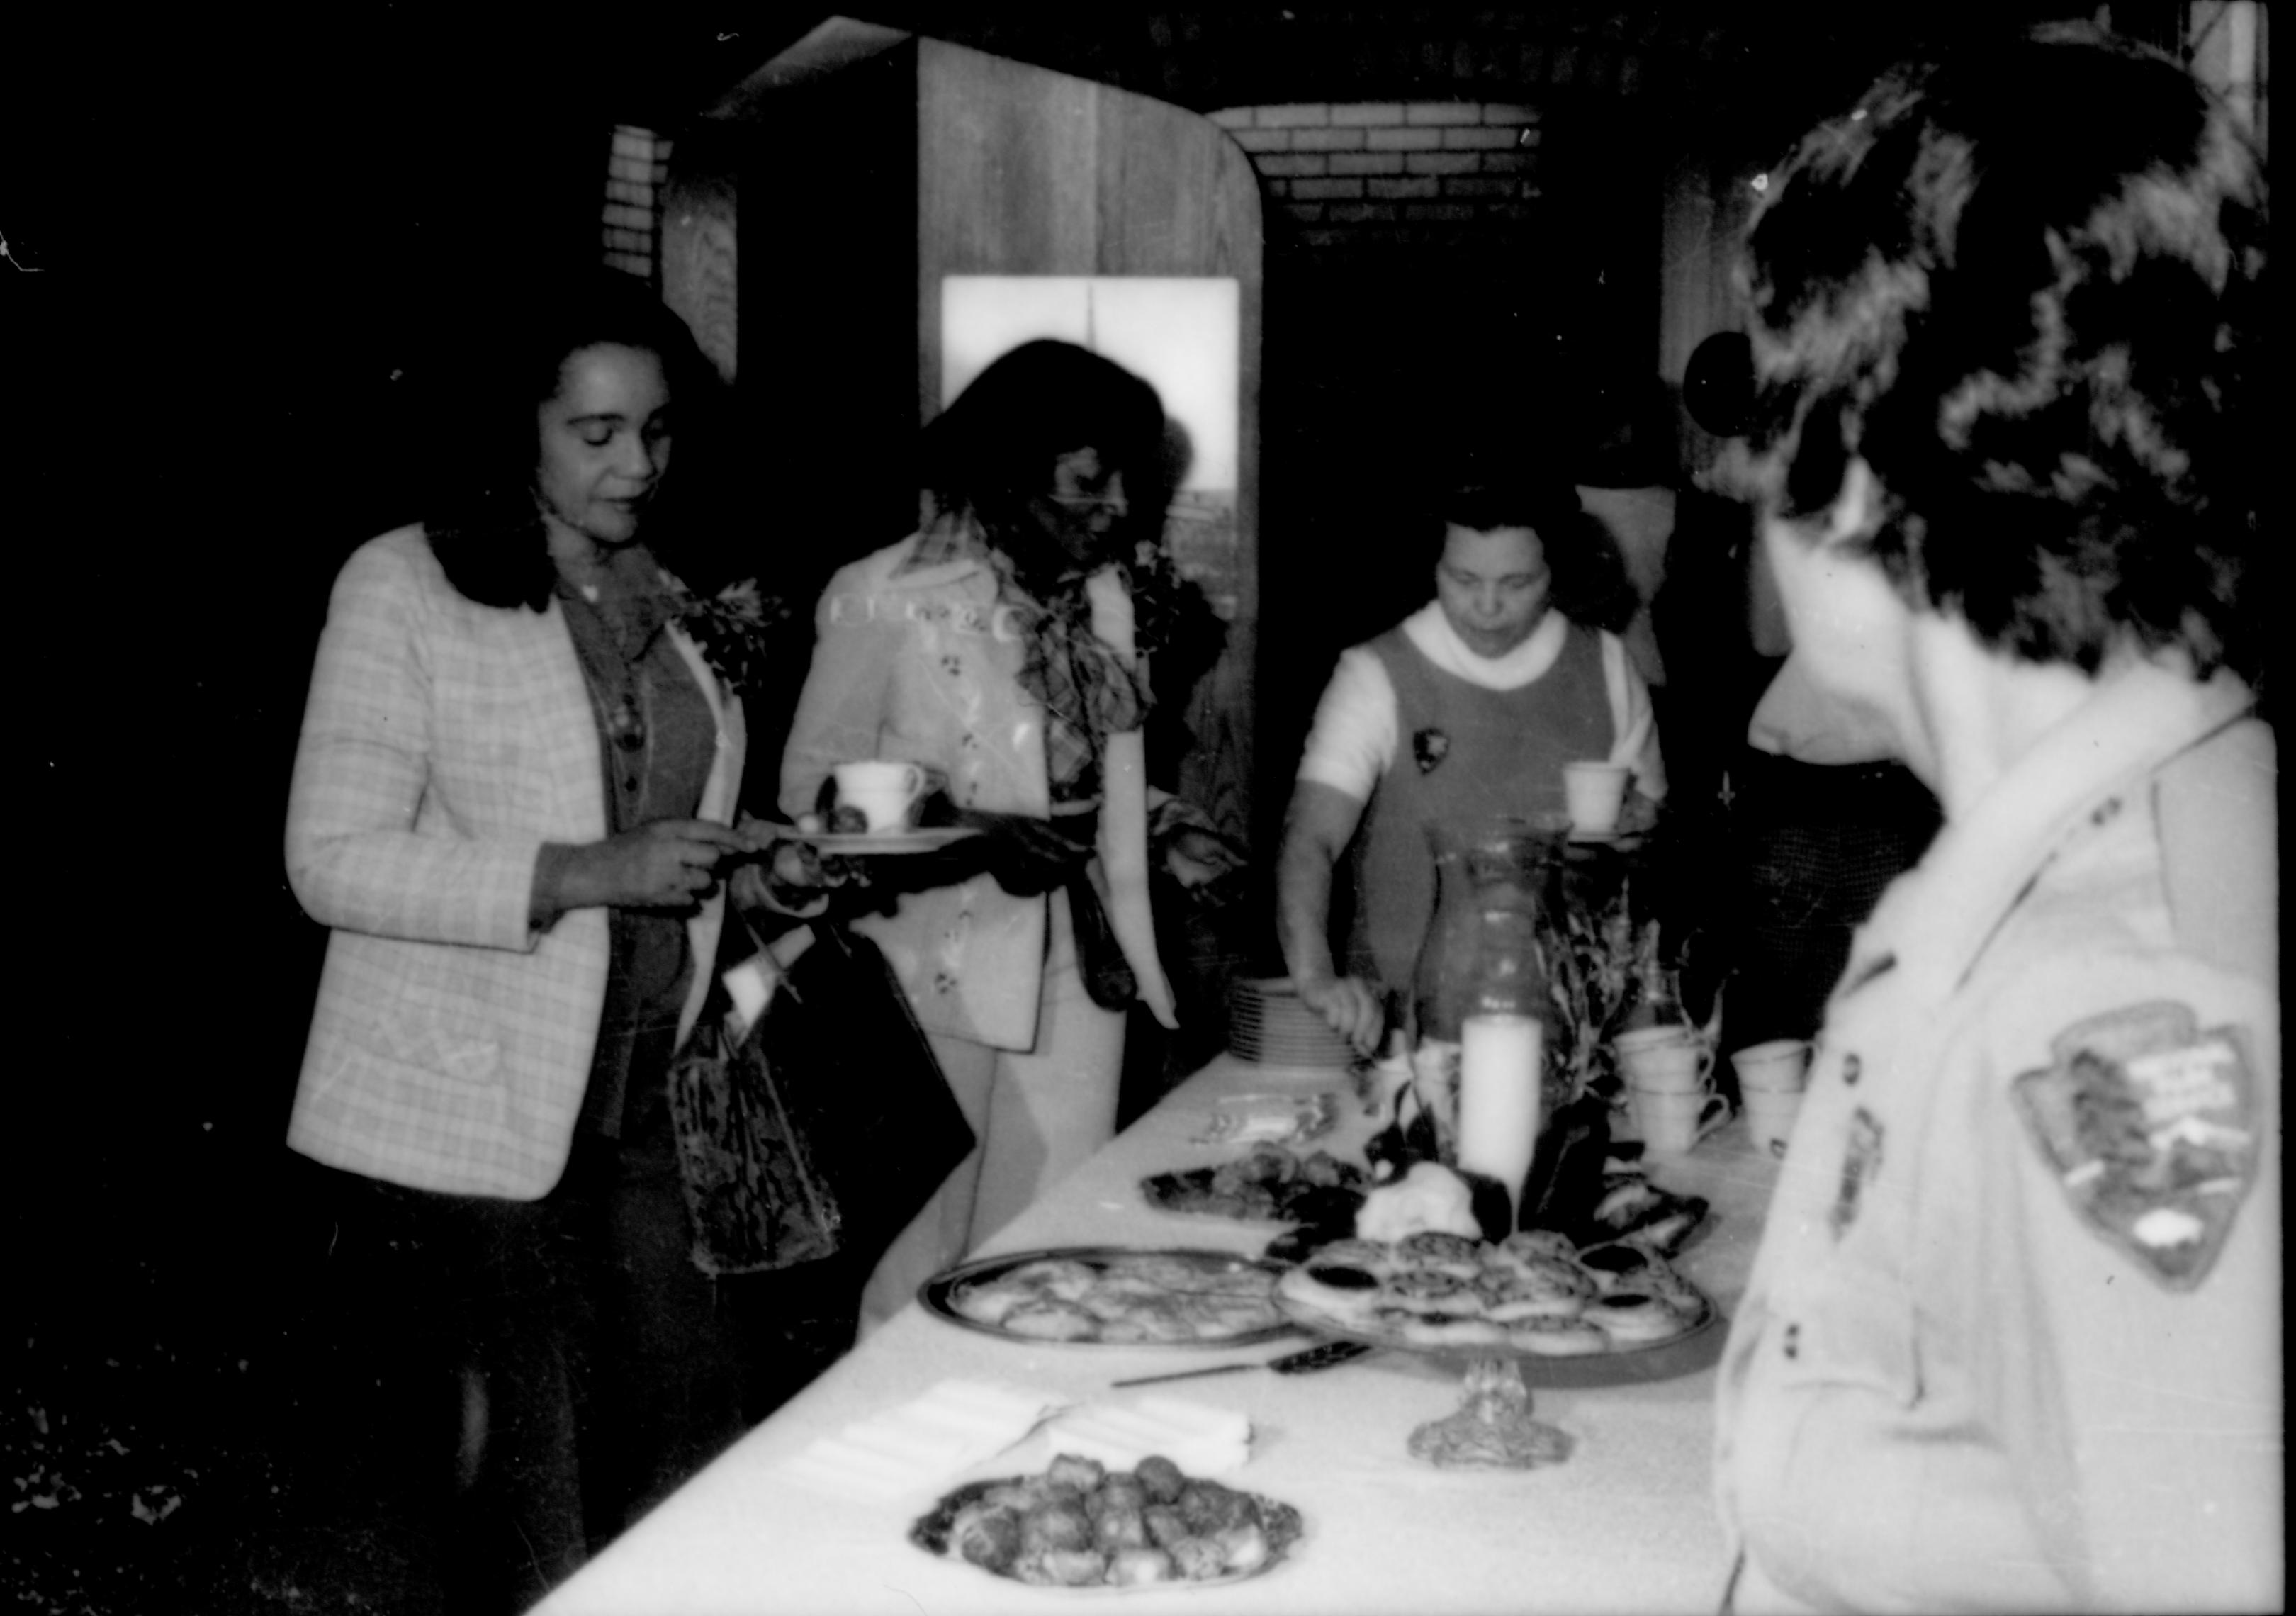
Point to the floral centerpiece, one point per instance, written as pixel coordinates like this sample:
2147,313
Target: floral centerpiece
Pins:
1604,972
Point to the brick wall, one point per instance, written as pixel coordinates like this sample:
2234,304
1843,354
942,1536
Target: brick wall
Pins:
1393,174
628,233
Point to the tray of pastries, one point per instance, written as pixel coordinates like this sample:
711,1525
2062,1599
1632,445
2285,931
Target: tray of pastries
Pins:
1114,1296
1606,1315
1268,1183
1082,1527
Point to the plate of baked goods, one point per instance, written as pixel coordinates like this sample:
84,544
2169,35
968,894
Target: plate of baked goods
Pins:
1269,1183
1114,1296
1604,1315
1080,1526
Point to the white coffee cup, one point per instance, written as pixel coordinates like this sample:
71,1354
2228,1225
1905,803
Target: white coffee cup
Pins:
1770,1114
1666,1059
1595,793
1671,1122
1781,1065
883,790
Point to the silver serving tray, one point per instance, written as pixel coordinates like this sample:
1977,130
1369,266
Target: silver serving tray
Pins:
937,1294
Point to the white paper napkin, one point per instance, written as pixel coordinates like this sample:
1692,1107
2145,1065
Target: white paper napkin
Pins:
923,1442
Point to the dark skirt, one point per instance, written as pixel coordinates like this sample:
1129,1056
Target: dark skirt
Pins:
511,1384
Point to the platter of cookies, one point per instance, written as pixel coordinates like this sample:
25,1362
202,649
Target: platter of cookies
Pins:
1082,1527
1114,1296
1604,1315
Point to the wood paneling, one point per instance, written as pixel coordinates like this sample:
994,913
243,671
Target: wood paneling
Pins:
698,257
1007,181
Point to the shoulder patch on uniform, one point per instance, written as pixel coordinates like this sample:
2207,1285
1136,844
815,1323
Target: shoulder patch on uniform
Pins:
1429,747
2151,1125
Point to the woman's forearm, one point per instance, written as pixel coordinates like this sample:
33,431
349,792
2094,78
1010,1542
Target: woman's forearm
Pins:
1303,906
1317,827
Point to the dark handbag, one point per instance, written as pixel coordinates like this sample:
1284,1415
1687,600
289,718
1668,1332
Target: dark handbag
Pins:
758,1195
890,1128
825,1129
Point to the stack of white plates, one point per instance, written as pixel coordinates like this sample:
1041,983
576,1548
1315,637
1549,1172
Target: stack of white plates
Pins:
1268,1025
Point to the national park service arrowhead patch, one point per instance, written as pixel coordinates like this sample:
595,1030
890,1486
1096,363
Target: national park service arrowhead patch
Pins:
2152,1126
1429,747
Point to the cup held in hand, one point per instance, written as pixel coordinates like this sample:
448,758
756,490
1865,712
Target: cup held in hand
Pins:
1597,793
885,791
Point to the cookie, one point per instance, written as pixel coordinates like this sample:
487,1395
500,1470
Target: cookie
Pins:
1557,1337
1431,1249
1435,1291
1371,1254
1442,1331
1538,1288
1634,1320
1343,1295
1538,1243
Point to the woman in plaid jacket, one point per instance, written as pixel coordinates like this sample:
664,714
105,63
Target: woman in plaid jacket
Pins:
511,805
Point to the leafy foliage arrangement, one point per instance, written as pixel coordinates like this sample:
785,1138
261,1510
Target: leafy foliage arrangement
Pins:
1605,970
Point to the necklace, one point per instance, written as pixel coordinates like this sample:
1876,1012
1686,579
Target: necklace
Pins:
626,619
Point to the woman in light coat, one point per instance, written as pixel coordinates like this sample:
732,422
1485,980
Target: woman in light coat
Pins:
997,646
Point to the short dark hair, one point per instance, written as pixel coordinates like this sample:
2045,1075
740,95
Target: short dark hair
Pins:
481,518
1590,582
993,449
2026,287
1482,502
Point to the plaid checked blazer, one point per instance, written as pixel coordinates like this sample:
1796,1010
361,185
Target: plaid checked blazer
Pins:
920,663
443,743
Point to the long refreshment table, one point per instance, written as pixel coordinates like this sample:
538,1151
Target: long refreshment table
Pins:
1626,1524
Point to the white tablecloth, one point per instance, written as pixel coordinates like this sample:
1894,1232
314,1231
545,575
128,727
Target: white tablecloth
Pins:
1626,1524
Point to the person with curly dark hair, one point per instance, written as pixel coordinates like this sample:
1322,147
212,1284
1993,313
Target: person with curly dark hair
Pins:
1008,646
2012,1339
1464,712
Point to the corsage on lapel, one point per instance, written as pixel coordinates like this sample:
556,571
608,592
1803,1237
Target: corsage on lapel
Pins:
736,630
1428,747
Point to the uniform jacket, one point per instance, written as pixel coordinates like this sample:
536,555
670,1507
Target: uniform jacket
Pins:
1993,1355
443,743
922,665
